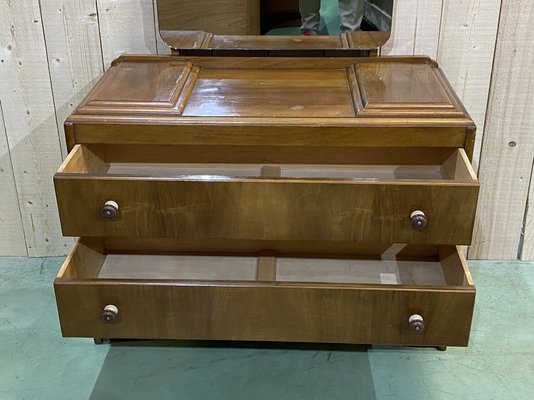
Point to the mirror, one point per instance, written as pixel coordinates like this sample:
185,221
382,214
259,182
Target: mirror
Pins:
194,23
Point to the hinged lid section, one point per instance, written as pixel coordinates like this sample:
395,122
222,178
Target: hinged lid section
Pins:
308,101
274,27
403,90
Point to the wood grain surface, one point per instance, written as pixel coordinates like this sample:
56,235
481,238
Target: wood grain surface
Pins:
190,43
238,100
299,88
340,313
214,206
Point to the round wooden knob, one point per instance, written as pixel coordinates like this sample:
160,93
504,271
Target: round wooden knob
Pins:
110,210
416,324
109,314
418,220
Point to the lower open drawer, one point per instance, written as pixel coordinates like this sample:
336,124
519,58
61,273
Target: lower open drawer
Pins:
105,292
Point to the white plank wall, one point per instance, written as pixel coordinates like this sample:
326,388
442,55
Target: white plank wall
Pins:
30,124
416,27
10,218
508,144
52,52
74,53
465,53
528,242
162,47
126,26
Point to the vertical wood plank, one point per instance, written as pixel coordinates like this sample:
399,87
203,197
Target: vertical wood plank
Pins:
508,146
12,242
528,238
415,30
465,53
30,122
74,54
126,26
161,46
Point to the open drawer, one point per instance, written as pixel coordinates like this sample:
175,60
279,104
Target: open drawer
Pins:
261,193
372,297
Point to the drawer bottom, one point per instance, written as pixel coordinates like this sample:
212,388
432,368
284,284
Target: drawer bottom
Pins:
270,297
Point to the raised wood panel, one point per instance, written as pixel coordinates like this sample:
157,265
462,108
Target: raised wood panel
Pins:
126,26
416,28
12,241
417,85
401,89
276,88
166,89
465,53
74,53
508,147
30,122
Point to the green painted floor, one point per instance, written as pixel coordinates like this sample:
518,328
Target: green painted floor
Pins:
37,363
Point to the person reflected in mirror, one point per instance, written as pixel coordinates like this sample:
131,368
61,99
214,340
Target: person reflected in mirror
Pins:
350,11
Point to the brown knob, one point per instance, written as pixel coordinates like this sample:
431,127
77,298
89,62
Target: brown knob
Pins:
416,324
110,314
110,210
418,220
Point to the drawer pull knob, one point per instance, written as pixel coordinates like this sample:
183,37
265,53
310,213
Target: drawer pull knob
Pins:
416,324
109,314
418,220
110,210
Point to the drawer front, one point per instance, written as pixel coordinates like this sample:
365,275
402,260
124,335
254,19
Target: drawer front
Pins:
292,314
272,304
263,208
267,210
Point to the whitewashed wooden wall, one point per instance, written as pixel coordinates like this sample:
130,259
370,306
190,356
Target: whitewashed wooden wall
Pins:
52,51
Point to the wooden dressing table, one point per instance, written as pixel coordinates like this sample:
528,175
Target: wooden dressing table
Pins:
303,199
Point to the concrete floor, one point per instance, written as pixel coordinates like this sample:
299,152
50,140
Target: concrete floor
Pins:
37,363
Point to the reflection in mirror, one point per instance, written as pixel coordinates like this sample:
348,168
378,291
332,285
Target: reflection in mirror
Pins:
275,17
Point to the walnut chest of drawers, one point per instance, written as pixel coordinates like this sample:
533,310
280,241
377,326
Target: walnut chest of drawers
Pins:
274,199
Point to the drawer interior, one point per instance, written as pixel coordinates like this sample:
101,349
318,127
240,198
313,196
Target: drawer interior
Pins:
392,265
205,163
282,269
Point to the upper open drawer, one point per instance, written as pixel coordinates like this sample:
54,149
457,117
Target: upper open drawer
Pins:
353,195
